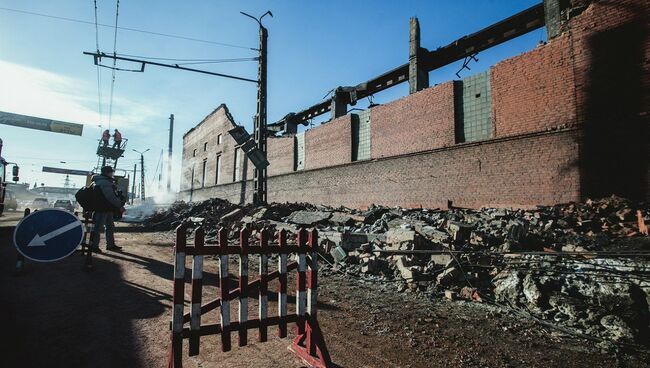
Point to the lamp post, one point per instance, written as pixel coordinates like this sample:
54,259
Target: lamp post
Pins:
259,132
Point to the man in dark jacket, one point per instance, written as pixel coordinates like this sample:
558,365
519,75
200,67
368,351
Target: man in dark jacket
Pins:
107,204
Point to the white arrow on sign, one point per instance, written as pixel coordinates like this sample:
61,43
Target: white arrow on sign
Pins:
39,241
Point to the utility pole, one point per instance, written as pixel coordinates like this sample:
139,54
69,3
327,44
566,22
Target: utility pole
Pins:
169,153
135,167
142,196
142,193
160,171
259,133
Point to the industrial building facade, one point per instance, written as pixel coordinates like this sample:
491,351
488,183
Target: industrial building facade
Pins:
563,122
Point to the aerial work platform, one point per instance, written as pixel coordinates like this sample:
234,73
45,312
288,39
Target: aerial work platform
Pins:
109,154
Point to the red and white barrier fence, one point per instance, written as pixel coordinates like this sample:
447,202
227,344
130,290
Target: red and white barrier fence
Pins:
309,345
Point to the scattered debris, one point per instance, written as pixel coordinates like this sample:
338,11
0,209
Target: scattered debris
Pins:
583,266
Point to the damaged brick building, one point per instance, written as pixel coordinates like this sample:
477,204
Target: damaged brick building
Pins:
563,122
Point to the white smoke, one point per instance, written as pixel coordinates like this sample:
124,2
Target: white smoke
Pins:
141,210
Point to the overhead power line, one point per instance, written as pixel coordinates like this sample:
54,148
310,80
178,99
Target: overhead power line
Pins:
224,44
192,61
110,106
99,73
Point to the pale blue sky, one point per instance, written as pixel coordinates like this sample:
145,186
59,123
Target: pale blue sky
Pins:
314,46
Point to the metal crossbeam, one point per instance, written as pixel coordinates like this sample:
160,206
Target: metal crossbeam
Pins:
495,34
99,55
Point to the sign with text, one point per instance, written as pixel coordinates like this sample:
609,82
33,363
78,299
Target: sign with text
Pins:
48,125
59,170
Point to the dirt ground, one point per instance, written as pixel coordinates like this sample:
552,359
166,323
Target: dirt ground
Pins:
118,316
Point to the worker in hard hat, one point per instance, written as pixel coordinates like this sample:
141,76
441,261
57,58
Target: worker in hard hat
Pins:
117,139
106,135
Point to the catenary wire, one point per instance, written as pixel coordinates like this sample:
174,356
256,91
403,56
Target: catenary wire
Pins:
99,78
190,61
110,106
129,29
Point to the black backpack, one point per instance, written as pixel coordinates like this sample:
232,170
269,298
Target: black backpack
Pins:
87,198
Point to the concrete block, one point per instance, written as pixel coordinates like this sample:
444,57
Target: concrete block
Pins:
460,232
339,254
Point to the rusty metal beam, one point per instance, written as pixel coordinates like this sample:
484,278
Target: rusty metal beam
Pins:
495,34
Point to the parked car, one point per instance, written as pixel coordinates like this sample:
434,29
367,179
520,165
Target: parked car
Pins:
64,204
39,203
10,201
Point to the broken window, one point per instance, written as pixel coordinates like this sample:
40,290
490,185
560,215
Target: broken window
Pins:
205,162
218,170
299,152
473,108
361,135
236,175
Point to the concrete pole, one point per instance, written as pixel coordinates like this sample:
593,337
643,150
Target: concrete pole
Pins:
169,153
418,77
259,176
142,196
135,167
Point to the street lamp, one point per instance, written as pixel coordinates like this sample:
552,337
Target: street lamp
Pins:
142,196
259,130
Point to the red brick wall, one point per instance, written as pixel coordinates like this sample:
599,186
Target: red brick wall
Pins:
418,122
517,172
593,78
280,155
611,43
534,91
329,144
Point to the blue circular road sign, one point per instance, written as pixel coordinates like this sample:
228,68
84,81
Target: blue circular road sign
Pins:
48,235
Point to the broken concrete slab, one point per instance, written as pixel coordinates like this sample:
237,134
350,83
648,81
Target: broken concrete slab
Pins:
450,294
230,215
448,276
373,214
308,218
406,271
517,230
460,231
434,234
397,236
441,259
341,218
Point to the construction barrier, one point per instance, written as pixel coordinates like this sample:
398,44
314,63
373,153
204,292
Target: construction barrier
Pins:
86,243
20,258
309,344
85,248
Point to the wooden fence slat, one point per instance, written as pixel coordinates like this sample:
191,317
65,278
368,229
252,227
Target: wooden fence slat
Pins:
178,298
224,285
282,278
301,295
263,288
197,290
243,286
312,289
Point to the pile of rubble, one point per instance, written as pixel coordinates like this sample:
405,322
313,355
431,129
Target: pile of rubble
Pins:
215,213
583,266
211,210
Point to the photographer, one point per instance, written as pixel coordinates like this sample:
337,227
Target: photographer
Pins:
108,205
